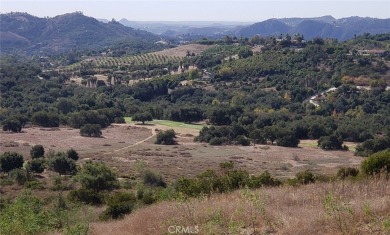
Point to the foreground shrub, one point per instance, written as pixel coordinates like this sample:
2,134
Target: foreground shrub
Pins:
26,215
152,178
346,172
87,196
62,164
97,177
377,163
119,204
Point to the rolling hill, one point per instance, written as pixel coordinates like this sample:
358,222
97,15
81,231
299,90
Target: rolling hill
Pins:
21,31
326,27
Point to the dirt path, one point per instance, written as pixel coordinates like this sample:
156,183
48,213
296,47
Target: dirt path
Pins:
139,142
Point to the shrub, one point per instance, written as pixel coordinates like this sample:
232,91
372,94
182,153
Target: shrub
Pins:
217,141
25,216
36,165
37,151
119,204
10,161
91,130
62,164
372,146
152,178
330,142
377,163
20,176
288,141
265,179
166,137
97,177
12,125
346,172
72,154
241,140
142,117
120,120
87,196
305,177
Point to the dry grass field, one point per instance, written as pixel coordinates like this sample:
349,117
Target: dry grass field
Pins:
181,51
343,207
123,145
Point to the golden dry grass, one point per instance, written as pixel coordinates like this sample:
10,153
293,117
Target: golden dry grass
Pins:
352,208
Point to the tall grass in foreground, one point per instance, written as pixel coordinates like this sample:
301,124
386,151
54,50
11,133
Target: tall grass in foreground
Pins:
342,207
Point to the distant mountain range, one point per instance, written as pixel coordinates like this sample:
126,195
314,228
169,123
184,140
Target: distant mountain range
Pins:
24,32
21,32
325,27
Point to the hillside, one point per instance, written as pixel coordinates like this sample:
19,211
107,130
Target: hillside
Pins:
65,32
325,27
324,208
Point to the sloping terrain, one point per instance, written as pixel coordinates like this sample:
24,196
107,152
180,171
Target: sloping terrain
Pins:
65,32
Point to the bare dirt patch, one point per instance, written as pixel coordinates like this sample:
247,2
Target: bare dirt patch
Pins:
181,51
63,138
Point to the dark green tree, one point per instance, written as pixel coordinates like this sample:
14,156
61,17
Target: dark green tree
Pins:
37,151
142,117
91,130
330,142
10,161
72,154
36,165
62,164
166,137
12,125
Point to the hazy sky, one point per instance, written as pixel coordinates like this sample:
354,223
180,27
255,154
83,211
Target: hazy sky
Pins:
189,10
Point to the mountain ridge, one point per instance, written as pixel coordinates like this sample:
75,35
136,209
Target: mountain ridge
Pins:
64,32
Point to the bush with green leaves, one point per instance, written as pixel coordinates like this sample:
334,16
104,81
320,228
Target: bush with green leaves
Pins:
305,177
372,146
119,204
20,176
12,125
97,176
72,154
166,137
152,178
330,142
91,130
36,165
62,164
346,172
87,196
376,163
37,151
24,216
142,117
10,161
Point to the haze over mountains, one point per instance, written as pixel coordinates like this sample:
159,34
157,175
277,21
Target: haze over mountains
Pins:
325,26
24,32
